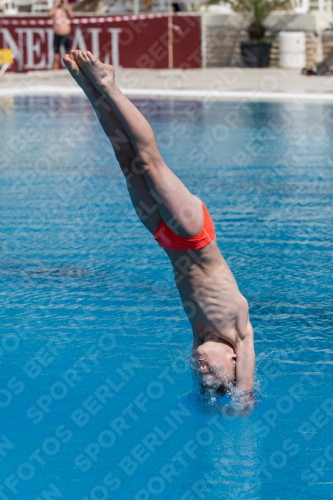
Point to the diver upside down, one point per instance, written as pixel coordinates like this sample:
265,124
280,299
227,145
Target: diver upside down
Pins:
181,224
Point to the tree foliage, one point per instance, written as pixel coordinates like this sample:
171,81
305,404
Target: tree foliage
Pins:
256,11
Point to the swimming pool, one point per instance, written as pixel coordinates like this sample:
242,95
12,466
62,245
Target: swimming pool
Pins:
96,397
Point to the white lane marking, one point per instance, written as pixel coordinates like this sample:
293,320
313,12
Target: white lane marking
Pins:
195,94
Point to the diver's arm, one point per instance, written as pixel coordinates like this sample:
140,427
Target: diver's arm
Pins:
245,362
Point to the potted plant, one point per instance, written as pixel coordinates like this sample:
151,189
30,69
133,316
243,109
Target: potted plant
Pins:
256,51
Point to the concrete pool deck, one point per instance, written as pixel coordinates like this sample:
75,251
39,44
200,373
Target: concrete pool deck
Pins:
271,84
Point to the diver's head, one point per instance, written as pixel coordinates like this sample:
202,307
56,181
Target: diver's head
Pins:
217,365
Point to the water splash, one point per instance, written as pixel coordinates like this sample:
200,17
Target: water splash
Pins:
219,393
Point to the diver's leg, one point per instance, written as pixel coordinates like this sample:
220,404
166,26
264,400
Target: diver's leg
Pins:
143,202
180,209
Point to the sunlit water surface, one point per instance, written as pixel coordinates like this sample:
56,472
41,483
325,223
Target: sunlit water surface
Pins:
97,400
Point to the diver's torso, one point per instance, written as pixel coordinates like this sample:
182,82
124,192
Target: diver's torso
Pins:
209,293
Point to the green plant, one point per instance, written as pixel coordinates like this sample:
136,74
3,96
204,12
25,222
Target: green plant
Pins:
256,11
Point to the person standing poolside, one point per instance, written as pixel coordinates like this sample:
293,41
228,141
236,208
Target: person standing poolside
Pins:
61,15
181,224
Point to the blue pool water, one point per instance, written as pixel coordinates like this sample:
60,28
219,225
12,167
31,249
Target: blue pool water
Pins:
96,397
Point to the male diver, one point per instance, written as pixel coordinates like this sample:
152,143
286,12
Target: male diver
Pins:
181,224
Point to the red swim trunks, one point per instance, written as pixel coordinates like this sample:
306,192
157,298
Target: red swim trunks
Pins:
170,240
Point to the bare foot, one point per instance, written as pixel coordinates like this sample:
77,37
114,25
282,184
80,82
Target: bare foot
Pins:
100,75
78,74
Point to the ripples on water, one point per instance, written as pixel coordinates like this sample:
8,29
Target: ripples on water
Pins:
77,267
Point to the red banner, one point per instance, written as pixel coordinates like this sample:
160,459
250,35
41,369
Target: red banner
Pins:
142,41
